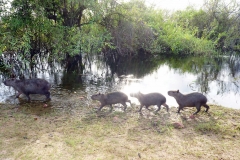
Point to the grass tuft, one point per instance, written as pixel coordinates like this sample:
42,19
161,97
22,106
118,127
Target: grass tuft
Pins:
209,127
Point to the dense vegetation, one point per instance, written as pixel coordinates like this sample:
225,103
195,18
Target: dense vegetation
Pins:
64,28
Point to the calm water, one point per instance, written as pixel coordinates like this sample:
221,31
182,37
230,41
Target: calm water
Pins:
217,78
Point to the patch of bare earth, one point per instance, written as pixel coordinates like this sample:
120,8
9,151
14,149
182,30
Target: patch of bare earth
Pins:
53,134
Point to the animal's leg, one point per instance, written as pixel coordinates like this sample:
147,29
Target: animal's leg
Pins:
140,108
125,105
198,106
129,102
207,107
111,108
28,97
159,107
100,108
47,94
19,93
167,107
147,107
179,108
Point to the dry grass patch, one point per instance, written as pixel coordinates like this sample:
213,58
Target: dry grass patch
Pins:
52,134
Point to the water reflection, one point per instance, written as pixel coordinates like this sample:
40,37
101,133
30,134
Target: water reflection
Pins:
217,77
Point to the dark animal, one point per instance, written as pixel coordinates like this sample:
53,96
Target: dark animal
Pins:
189,100
150,99
29,86
111,98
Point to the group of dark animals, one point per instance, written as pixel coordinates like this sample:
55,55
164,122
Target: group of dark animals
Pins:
41,86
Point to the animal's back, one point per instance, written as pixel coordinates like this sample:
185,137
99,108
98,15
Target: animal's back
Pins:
195,98
152,99
35,85
115,97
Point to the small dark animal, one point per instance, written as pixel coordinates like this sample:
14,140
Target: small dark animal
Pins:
189,100
29,86
150,99
111,98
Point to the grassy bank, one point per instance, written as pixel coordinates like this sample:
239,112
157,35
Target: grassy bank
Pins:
53,133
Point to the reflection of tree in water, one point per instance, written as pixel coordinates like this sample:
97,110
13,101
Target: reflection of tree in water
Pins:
23,68
72,74
105,71
225,71
234,65
97,72
71,80
138,66
43,66
230,82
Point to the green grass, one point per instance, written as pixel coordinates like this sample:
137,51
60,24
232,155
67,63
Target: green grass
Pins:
206,127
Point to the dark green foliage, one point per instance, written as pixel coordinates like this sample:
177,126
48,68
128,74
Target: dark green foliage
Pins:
60,27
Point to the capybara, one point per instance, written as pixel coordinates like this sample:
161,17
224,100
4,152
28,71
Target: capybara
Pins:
150,99
189,100
111,98
29,86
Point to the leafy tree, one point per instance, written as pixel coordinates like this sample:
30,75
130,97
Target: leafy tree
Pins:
219,22
49,26
128,27
225,22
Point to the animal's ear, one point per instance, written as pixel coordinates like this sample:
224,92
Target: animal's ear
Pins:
177,90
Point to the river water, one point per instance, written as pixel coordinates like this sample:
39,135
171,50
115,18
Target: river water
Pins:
216,77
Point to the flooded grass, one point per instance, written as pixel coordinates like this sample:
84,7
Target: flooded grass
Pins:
71,130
